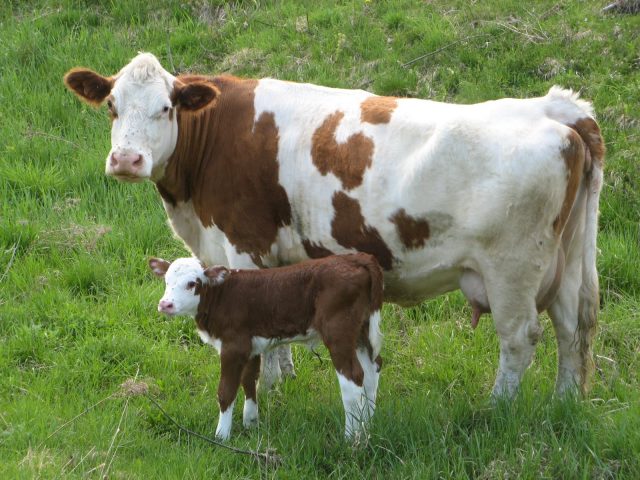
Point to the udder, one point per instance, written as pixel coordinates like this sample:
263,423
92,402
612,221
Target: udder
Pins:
473,288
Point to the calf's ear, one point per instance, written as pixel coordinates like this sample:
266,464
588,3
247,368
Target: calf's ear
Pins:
88,85
192,97
216,275
158,266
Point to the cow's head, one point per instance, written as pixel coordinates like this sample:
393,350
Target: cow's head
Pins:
142,100
184,279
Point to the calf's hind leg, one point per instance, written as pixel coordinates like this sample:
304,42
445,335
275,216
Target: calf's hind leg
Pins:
350,377
371,371
249,380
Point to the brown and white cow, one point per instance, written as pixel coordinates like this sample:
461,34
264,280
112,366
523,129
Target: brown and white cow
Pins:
499,198
244,313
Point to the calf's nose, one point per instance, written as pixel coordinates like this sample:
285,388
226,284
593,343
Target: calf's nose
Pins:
165,306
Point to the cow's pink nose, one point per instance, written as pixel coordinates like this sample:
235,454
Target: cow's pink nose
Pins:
125,163
165,306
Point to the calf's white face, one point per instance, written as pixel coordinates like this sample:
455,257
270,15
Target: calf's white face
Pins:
183,280
142,100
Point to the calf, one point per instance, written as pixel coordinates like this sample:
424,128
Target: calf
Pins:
244,313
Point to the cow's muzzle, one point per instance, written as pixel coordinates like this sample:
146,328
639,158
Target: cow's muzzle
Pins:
126,166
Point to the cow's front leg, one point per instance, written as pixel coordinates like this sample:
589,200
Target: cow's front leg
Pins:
249,380
285,359
270,372
233,359
516,321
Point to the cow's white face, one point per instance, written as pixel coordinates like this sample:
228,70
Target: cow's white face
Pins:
143,99
184,279
145,127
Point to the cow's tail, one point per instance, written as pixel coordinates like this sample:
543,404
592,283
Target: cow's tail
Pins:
565,106
589,297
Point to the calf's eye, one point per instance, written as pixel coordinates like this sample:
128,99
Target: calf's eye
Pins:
190,285
165,109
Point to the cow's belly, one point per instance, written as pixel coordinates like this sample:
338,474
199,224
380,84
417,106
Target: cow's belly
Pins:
410,290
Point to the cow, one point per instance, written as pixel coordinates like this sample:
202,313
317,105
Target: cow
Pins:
243,313
498,199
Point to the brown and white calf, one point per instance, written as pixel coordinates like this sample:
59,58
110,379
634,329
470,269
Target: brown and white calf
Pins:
499,199
243,313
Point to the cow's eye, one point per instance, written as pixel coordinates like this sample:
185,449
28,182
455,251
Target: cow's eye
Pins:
190,285
109,104
165,109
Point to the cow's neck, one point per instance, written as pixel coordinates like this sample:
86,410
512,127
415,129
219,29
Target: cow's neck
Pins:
225,162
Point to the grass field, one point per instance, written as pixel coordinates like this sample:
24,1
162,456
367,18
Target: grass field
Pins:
77,304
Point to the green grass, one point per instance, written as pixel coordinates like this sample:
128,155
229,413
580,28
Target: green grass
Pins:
77,304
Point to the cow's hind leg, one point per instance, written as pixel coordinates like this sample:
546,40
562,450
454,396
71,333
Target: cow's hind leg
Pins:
573,314
516,320
574,311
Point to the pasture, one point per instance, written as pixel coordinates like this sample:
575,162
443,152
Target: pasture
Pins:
78,304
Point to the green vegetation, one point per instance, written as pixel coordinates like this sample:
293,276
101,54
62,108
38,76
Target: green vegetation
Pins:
77,304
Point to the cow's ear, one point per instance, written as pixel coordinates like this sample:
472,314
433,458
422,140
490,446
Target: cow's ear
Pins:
195,96
88,85
158,266
216,275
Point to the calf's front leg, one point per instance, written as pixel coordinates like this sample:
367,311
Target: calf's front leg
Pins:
232,363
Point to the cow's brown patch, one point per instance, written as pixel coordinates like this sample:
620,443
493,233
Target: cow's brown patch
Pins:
413,232
347,161
88,85
349,229
589,131
227,165
377,110
315,250
574,158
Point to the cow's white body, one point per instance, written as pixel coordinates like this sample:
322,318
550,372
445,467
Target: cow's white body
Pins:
489,179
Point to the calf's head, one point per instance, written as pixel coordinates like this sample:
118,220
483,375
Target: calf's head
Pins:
142,100
184,279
